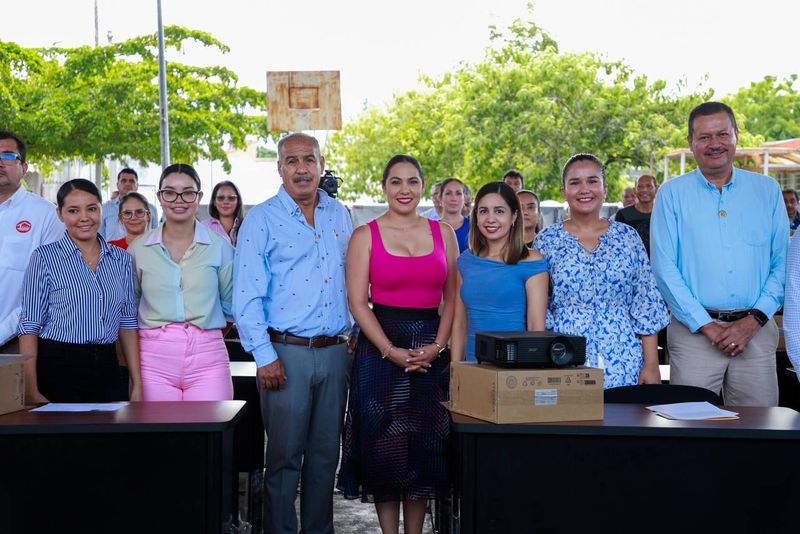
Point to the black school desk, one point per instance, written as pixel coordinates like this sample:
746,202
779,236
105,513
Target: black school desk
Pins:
632,472
149,467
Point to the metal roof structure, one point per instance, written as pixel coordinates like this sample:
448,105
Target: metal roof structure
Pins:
779,159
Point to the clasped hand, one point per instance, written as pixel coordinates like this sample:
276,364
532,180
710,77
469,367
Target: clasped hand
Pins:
414,360
731,338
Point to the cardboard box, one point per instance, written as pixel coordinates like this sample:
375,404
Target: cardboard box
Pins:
503,395
12,382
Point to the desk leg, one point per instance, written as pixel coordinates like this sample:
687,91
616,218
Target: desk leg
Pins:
255,499
463,502
221,475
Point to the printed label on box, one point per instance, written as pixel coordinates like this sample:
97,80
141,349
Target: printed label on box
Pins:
545,397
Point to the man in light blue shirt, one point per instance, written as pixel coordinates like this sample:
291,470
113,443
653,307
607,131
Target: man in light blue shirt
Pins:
719,237
111,228
290,303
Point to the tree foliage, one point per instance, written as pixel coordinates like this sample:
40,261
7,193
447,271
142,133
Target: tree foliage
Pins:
769,107
524,106
96,102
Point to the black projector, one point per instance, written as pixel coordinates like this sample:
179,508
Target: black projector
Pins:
530,349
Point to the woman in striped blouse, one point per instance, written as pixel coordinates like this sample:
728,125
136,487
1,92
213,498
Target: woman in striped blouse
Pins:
184,277
77,299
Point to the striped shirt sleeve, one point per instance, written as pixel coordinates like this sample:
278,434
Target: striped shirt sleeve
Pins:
35,291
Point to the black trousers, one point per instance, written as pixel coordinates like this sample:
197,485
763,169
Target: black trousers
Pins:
68,372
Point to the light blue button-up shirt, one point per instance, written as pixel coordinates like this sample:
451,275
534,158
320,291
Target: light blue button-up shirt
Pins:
791,311
111,228
288,275
723,250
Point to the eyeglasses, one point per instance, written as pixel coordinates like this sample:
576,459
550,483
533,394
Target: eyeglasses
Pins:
229,198
168,195
9,156
131,214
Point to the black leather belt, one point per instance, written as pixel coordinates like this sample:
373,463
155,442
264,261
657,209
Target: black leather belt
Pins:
728,316
316,342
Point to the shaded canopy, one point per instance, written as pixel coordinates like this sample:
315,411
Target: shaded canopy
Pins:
779,159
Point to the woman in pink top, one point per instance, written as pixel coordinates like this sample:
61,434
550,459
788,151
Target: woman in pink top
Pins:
395,443
225,210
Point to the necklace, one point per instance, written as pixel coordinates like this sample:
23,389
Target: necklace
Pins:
91,259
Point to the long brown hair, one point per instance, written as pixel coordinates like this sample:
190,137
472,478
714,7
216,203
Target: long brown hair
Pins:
515,242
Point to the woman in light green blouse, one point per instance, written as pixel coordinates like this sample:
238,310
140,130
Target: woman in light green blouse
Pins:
184,281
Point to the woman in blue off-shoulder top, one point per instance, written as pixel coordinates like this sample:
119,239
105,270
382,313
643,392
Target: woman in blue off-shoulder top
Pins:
502,283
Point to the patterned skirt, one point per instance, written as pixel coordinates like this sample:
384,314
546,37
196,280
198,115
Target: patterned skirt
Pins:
396,435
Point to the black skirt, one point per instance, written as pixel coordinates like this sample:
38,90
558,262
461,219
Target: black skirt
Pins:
396,436
68,372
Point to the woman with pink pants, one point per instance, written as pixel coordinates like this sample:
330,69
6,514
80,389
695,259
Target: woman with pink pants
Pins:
184,283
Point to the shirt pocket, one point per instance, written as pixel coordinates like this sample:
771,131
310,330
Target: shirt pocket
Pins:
15,253
756,229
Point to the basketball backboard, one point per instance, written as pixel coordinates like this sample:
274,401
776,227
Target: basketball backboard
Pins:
303,100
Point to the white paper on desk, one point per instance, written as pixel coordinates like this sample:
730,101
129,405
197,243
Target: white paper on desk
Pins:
692,411
80,407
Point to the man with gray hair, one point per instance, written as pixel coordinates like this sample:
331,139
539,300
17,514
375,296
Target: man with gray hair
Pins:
435,213
290,303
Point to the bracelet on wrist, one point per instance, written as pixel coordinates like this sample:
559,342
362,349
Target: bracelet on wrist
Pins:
385,352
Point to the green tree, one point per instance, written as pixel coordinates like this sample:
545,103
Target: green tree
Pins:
769,107
98,102
524,106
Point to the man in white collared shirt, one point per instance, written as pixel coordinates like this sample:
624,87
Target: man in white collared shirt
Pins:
27,221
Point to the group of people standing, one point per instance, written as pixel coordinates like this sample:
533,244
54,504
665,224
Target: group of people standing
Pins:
108,311
418,288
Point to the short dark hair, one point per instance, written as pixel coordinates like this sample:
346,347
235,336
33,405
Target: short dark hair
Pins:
514,174
76,184
653,178
212,208
582,156
792,191
538,206
180,168
22,148
401,158
529,192
515,249
710,108
128,170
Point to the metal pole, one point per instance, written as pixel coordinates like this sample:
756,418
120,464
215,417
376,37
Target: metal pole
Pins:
96,26
98,162
162,93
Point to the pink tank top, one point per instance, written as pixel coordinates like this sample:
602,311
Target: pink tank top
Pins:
407,281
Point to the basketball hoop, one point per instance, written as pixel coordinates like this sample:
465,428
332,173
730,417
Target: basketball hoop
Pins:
303,100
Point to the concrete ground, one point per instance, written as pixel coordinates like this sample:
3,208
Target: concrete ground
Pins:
349,516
